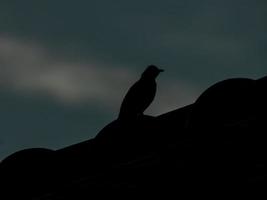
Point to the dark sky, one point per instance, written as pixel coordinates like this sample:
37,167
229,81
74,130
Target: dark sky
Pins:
65,65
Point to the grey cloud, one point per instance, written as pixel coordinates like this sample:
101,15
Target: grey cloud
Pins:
30,68
25,66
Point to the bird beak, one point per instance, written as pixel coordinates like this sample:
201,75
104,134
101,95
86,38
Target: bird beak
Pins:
161,70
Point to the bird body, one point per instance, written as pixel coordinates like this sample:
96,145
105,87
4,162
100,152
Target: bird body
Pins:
140,95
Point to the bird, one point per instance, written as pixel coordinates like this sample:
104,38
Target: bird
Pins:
140,95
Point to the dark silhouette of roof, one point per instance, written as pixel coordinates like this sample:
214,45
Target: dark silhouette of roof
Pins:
216,144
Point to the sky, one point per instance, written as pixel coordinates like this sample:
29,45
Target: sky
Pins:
65,65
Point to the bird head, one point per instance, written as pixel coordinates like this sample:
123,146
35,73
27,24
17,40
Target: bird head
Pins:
151,72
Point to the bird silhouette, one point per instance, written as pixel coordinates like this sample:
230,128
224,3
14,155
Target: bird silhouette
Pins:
141,94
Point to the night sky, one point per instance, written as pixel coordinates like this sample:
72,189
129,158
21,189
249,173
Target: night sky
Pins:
66,65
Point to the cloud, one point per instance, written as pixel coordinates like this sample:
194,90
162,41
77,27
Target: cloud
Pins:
28,67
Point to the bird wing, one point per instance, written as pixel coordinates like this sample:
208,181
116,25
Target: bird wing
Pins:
138,98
